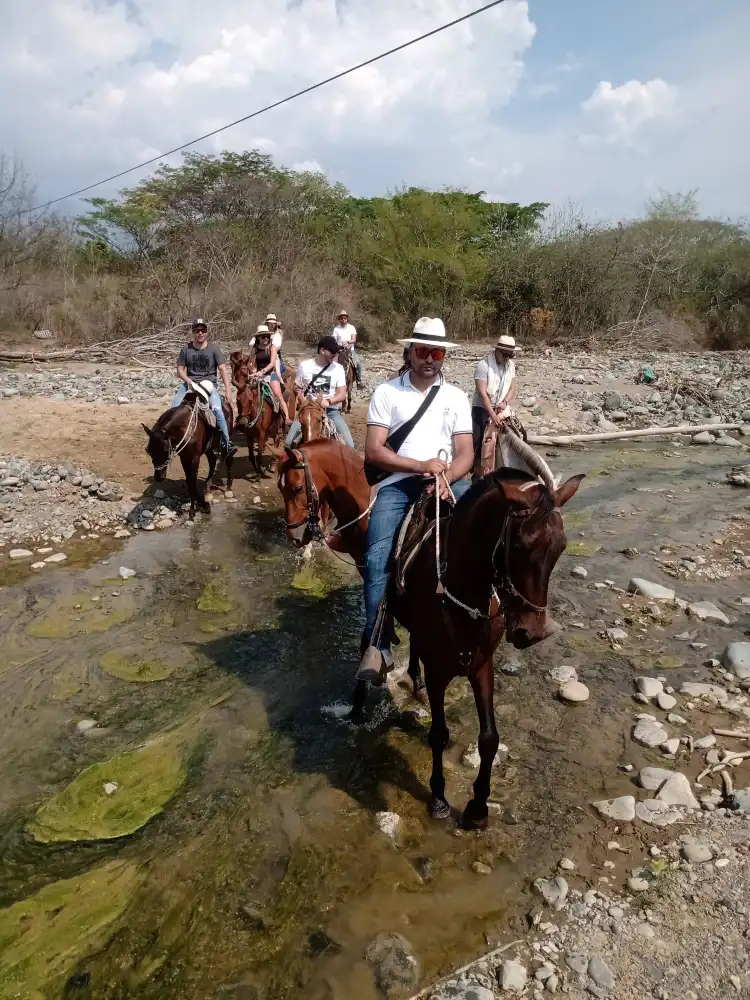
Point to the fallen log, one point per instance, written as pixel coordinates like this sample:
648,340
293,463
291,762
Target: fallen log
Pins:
32,356
620,435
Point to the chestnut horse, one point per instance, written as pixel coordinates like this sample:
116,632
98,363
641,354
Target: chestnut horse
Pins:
499,549
350,369
256,416
313,420
182,431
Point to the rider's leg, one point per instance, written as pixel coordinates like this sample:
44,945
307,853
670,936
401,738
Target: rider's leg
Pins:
357,367
221,421
337,419
294,434
390,508
276,389
179,395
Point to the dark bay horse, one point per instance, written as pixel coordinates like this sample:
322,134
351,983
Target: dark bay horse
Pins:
347,362
182,431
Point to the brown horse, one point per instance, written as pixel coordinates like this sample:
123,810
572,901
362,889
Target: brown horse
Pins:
243,367
499,549
182,431
350,369
260,422
312,418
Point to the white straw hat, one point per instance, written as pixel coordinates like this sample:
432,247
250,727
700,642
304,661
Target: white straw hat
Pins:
262,330
508,344
430,332
271,316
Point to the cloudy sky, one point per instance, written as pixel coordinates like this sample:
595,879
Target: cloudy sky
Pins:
601,102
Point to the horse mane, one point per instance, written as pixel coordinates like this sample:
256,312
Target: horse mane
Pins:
490,482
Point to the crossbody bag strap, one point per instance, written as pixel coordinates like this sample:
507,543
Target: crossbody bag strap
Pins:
398,437
314,379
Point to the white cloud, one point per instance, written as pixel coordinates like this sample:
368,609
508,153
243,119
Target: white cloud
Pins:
622,111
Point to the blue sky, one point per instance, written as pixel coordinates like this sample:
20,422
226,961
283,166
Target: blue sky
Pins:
599,102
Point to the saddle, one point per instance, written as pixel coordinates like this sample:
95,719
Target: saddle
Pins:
418,527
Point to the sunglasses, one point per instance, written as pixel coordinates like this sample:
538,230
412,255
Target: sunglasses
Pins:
436,353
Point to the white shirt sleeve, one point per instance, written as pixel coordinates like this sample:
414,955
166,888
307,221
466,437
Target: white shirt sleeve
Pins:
481,372
462,421
338,378
379,412
352,333
303,376
276,340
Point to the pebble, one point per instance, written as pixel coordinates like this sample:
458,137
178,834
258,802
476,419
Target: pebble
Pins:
580,571
85,725
38,565
388,823
479,868
696,853
512,977
58,557
649,686
665,701
110,787
553,891
563,674
649,733
125,573
676,720
574,691
703,437
721,863
654,591
637,884
621,809
566,865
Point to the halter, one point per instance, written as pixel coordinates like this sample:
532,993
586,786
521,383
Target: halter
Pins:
263,397
313,501
186,437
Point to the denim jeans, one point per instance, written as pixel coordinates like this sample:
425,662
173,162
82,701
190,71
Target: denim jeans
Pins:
357,362
389,511
479,418
214,402
337,419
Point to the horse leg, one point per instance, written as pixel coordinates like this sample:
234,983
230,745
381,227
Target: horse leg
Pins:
250,435
228,491
190,466
207,494
438,740
415,673
482,683
357,713
262,431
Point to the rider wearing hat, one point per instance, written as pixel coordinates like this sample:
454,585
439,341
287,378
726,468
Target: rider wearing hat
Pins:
495,381
267,365
443,429
346,337
201,362
322,375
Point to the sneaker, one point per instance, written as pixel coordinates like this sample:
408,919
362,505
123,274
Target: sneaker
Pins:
375,665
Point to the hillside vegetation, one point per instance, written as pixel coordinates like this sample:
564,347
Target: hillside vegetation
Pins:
234,235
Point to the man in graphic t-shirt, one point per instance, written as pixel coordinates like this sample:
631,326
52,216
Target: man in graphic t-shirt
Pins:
322,375
198,362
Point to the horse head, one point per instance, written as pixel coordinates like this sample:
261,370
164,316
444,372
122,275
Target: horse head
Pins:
300,495
311,415
159,451
531,541
243,366
247,402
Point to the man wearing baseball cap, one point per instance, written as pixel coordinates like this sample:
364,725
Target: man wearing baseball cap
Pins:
439,443
200,361
322,375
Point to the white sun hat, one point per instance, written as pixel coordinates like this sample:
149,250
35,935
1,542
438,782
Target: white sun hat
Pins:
262,330
430,332
506,343
271,316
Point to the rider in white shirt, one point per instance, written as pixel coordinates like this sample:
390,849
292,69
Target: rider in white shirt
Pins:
322,375
346,336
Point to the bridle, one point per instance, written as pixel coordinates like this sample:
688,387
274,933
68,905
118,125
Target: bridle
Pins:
313,501
184,441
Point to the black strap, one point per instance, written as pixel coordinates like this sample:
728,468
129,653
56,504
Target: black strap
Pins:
314,379
398,437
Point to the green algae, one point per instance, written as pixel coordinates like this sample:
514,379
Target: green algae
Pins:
214,600
582,548
79,615
146,780
42,938
310,582
132,665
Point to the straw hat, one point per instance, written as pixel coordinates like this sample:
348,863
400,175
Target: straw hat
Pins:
508,344
430,332
262,330
271,316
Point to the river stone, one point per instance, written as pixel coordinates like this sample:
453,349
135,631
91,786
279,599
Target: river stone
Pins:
621,809
728,442
601,973
618,416
654,591
512,977
696,853
671,746
649,686
388,823
659,813
705,611
666,702
577,962
20,554
125,573
702,437
736,658
396,965
708,692
58,557
579,571
613,401
705,742
676,791
574,691
554,891
649,733
462,990
652,778
563,674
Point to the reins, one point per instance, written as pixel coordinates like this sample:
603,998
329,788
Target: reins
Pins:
186,437
265,395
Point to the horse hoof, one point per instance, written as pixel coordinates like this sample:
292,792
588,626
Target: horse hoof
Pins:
439,809
420,694
228,495
474,818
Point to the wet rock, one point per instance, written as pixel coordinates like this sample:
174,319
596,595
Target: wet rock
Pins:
574,691
659,813
396,966
676,791
553,891
470,757
84,725
38,565
702,437
601,973
652,778
58,557
654,591
388,823
18,554
621,809
696,853
649,733
480,868
649,686
706,612
563,674
125,573
512,977
579,571
711,693
736,658
665,701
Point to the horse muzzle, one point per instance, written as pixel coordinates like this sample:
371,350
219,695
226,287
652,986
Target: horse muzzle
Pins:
529,629
160,475
241,423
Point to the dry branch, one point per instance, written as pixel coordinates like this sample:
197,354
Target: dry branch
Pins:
620,435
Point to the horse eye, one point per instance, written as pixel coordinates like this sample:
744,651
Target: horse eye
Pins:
296,489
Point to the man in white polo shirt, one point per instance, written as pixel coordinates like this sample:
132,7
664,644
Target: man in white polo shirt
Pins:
444,427
346,337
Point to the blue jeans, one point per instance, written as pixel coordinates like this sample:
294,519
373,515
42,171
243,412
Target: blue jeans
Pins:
337,419
357,362
214,402
389,511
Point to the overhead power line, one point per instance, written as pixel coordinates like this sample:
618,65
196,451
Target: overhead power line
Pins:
270,107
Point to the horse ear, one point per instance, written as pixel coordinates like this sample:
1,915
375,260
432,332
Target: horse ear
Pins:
291,455
569,490
515,493
147,430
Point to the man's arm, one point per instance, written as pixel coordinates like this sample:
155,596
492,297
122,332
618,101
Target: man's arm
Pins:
182,373
481,385
338,397
224,372
463,457
378,453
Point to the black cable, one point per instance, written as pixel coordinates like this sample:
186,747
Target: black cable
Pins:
270,107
